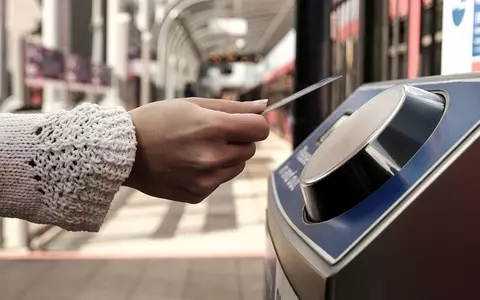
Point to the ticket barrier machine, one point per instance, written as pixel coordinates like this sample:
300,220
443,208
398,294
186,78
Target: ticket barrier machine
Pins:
382,200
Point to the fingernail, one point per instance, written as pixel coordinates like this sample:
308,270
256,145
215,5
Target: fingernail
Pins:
262,102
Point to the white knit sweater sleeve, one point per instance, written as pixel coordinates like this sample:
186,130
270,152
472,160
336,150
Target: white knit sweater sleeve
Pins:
64,168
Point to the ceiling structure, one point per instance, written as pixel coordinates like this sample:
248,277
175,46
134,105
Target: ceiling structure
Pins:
268,22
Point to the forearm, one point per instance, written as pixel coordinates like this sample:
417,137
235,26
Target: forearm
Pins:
65,168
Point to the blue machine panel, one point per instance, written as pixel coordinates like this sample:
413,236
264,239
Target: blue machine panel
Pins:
336,236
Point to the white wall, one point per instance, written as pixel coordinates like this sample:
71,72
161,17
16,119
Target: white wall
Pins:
458,39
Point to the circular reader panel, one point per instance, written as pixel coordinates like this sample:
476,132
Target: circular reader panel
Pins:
370,147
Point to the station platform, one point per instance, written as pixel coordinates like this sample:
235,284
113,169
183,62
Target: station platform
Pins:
158,249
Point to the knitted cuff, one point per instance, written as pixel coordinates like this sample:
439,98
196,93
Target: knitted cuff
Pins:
68,165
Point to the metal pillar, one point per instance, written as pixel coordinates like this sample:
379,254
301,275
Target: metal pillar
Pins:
145,80
123,27
312,64
53,98
55,22
118,25
144,19
113,9
97,34
120,66
98,27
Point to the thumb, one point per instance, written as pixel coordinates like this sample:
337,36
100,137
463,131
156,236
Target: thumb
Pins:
228,106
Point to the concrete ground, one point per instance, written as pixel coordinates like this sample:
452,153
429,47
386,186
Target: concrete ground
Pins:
157,249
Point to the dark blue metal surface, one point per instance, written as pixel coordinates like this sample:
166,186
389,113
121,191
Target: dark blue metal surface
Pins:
337,235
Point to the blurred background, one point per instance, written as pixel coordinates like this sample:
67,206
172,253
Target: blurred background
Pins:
56,54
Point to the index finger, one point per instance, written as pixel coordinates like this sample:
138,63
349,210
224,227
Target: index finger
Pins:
229,106
245,128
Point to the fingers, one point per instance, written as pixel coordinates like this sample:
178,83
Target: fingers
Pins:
241,121
223,156
229,163
230,173
245,128
235,154
209,181
252,107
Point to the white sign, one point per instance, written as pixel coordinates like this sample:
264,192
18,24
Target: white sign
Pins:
458,36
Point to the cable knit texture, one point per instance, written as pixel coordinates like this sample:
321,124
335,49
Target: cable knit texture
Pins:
64,168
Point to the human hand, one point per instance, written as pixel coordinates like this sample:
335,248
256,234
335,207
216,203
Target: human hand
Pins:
188,147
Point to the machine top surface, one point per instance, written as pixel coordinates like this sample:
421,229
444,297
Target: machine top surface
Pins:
354,134
332,239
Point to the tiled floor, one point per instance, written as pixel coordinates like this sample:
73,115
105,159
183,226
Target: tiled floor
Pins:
157,249
170,279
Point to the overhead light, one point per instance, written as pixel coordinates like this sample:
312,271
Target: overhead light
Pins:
240,43
229,26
